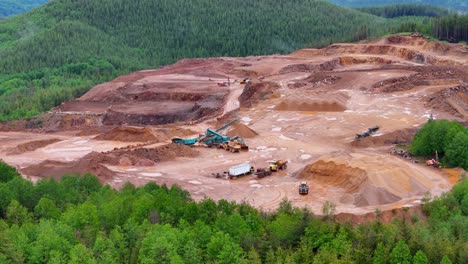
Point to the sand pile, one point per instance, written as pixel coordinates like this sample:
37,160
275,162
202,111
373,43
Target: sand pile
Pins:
31,146
369,180
404,136
242,131
310,106
129,134
334,174
318,102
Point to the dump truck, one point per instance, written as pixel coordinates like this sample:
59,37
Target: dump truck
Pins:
303,188
239,170
235,145
278,165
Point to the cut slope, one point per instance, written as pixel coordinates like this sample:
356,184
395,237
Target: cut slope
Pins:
368,180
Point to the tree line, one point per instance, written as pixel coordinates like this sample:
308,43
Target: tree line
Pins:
448,138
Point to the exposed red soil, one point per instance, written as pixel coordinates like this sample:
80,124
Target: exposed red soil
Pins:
31,146
453,100
129,134
306,106
407,214
94,161
256,91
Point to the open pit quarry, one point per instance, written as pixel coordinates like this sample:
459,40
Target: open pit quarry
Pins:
305,107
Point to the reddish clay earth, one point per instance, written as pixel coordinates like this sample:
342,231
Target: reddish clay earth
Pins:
305,107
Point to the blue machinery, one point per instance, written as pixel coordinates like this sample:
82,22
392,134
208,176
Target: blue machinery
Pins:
210,138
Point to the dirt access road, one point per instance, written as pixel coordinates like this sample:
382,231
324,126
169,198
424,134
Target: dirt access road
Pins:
306,108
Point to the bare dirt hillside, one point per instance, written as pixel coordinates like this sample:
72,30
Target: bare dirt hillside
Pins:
305,107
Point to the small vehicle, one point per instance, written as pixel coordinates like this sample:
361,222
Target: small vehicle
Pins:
303,188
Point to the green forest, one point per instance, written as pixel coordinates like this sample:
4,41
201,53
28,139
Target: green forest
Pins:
392,11
460,5
78,220
448,138
13,7
59,51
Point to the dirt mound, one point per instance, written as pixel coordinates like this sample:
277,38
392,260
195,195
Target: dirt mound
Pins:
94,161
310,107
56,169
404,136
141,156
368,180
343,176
256,91
140,134
129,134
453,100
242,131
31,146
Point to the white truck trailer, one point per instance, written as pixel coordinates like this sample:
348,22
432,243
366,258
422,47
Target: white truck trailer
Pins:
239,170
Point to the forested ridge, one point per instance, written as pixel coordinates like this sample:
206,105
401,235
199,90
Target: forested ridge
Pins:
460,5
13,7
59,51
50,55
77,220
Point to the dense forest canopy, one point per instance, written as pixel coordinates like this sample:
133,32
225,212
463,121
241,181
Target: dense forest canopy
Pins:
460,5
77,220
392,11
58,51
13,7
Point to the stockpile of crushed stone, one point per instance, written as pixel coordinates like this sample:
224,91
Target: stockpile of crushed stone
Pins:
242,131
368,180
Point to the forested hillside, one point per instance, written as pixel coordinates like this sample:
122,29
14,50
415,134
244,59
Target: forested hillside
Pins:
77,220
60,50
460,5
391,11
13,7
